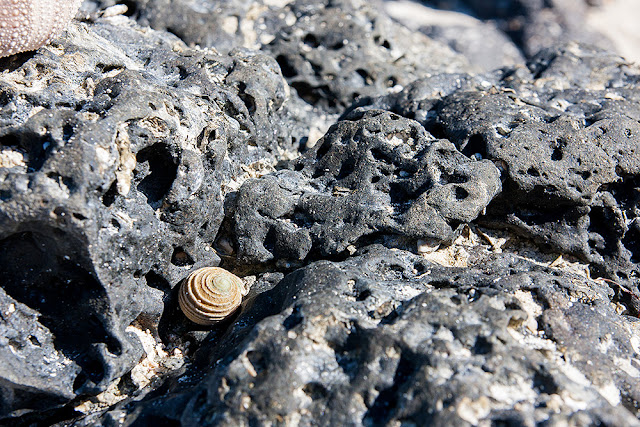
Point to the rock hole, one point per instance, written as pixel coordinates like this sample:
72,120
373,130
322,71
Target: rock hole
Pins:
106,68
67,132
38,146
5,98
155,172
544,382
461,193
315,391
363,295
419,268
347,169
366,77
475,145
181,258
622,276
287,68
183,73
323,149
110,195
62,180
379,155
294,319
311,40
246,98
315,95
92,370
258,361
337,45
482,346
34,340
631,241
438,131
452,178
158,282
270,240
132,7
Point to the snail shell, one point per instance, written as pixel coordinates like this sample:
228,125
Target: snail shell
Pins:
28,24
210,294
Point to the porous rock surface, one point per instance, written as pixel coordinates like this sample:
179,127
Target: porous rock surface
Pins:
111,191
565,133
330,51
372,175
131,156
387,337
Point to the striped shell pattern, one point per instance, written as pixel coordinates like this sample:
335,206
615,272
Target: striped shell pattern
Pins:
210,294
28,24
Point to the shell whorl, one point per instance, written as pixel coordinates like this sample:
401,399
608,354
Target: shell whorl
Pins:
210,294
28,24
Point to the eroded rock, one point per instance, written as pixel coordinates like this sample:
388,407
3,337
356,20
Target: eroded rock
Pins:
565,134
373,175
112,191
388,336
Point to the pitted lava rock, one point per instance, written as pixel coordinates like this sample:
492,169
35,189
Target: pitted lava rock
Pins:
326,153
111,193
372,175
565,132
386,337
330,51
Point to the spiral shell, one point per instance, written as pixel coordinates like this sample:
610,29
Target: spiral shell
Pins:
28,24
210,294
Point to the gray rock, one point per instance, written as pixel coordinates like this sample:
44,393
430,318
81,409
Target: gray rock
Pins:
483,44
372,175
337,51
387,337
565,135
34,385
532,24
111,192
330,52
125,158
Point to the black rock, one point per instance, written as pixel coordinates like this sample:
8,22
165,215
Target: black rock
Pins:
373,175
564,133
387,337
337,51
130,157
329,51
111,192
